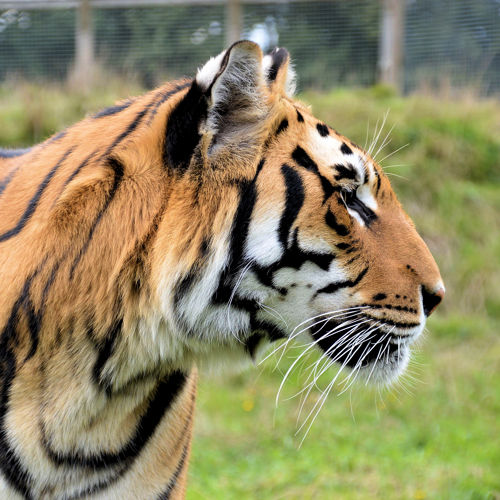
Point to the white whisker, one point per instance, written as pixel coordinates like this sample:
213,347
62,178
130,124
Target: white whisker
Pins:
274,313
394,152
233,292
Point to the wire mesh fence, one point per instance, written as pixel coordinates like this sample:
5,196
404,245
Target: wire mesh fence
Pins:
337,42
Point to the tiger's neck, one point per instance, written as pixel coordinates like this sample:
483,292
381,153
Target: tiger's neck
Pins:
146,425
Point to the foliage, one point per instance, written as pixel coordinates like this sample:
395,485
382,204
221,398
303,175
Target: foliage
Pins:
439,441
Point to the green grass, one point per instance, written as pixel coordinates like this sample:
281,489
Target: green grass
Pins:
438,442
435,437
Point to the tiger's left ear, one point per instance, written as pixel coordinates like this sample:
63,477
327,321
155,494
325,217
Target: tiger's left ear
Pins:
235,87
222,119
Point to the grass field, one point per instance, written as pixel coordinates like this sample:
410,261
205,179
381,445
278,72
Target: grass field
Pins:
437,434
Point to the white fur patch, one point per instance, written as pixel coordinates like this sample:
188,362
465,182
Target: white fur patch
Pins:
356,216
325,151
208,72
364,192
262,244
365,195
267,62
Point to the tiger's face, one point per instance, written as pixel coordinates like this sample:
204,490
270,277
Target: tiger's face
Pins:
333,255
307,237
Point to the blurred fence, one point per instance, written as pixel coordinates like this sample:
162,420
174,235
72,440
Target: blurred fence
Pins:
338,42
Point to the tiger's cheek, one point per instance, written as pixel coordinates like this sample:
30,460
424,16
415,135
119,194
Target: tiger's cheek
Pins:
302,299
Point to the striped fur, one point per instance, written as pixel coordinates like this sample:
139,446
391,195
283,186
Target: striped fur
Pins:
185,228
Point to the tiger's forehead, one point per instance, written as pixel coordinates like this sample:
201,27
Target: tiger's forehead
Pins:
334,152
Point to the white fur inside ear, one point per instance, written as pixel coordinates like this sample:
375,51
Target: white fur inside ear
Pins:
208,72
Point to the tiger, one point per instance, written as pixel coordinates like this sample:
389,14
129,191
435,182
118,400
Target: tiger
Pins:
187,229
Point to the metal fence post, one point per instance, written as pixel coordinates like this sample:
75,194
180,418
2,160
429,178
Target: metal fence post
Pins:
233,21
84,47
390,63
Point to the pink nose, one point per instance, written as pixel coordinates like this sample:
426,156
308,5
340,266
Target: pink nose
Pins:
431,299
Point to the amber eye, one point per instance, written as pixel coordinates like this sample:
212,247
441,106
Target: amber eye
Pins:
354,203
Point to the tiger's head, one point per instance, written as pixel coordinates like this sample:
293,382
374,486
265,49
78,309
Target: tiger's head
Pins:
284,227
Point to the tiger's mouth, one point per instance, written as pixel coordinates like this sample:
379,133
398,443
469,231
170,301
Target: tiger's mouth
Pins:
363,345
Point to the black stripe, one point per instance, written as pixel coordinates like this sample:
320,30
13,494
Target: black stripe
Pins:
391,323
49,283
273,332
343,246
300,118
183,286
345,149
322,129
119,472
57,137
113,110
345,172
204,248
35,317
180,465
239,235
173,480
333,287
379,180
13,153
166,393
282,126
331,220
390,306
164,95
354,203
106,349
294,257
88,491
353,259
10,463
305,161
34,325
118,170
77,170
279,56
182,134
252,342
6,180
131,127
34,201
294,200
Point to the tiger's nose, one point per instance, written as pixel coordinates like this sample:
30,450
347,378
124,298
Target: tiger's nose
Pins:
432,298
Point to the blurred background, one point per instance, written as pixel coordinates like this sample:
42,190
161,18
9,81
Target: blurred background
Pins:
422,78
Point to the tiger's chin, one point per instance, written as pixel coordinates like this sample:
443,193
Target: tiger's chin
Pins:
386,371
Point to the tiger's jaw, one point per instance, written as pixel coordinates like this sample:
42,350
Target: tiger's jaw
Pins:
376,353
